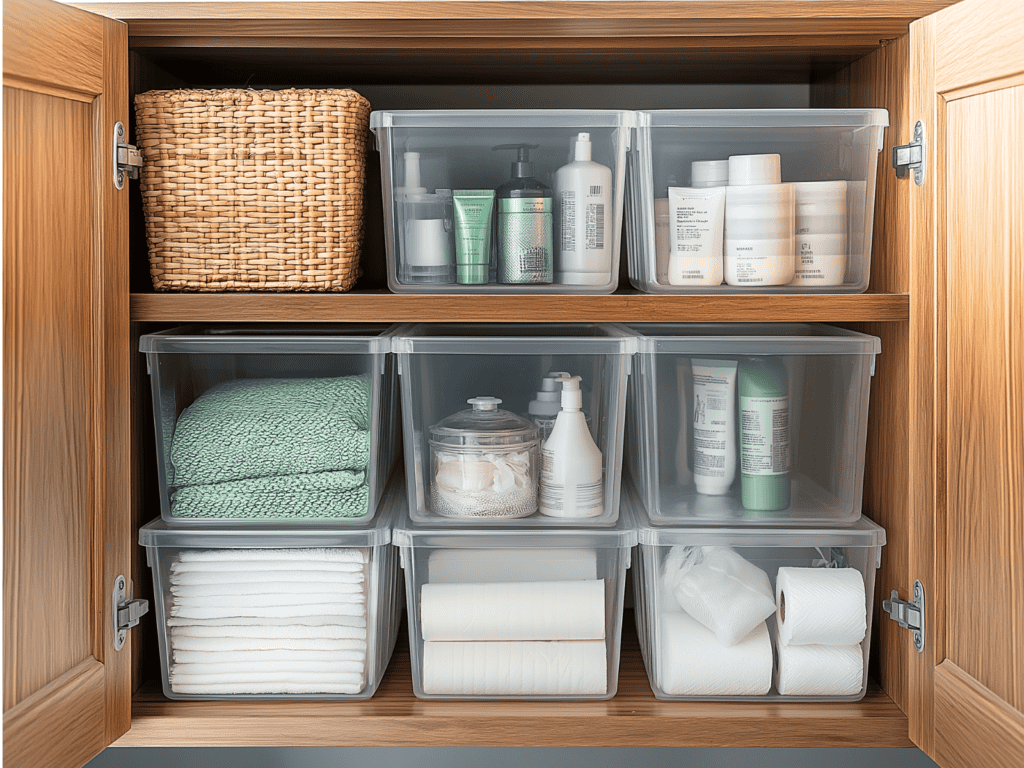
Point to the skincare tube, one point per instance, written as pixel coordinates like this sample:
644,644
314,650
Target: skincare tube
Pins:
696,222
714,425
473,211
764,434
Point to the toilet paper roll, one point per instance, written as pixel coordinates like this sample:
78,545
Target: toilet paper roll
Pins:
821,606
719,588
820,670
539,610
568,668
487,566
692,662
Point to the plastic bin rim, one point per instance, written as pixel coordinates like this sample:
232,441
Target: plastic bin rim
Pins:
413,338
484,118
852,342
406,534
169,340
769,118
863,533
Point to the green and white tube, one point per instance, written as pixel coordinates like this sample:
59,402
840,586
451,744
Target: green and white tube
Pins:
764,434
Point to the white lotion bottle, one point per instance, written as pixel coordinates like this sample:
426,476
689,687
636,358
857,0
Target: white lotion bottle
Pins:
583,194
572,476
760,239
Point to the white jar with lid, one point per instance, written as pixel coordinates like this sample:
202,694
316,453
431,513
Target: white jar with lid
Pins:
484,463
760,243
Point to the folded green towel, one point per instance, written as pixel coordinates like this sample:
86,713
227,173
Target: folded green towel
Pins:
317,496
269,448
265,427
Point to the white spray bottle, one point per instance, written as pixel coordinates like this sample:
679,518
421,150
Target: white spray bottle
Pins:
572,478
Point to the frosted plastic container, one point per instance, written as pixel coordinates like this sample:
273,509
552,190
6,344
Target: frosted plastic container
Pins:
682,657
815,145
455,152
188,361
828,373
321,649
480,597
442,366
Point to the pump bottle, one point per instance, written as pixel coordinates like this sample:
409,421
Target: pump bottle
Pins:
571,481
525,224
583,196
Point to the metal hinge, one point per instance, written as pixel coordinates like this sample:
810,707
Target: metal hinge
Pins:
127,612
911,156
127,158
909,615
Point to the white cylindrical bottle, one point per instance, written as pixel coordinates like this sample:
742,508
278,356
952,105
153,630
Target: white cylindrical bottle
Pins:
583,194
572,477
760,241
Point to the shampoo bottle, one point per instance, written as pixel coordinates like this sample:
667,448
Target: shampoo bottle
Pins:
763,385
525,224
572,475
583,194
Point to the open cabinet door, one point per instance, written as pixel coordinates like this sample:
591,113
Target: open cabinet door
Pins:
967,407
67,532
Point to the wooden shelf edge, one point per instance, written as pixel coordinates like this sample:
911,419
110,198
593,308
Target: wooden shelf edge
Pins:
634,718
623,306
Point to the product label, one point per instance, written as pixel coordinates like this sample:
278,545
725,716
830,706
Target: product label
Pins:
589,496
764,435
568,223
710,421
525,241
692,220
595,226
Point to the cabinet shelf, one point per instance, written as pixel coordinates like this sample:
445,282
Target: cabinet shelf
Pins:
626,305
634,718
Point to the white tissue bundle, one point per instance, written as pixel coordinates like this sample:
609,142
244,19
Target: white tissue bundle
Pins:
820,670
492,472
692,662
821,606
267,622
719,588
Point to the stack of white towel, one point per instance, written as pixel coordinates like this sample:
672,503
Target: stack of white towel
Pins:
267,621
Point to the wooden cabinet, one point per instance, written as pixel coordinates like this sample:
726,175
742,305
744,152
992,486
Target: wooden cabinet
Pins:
946,434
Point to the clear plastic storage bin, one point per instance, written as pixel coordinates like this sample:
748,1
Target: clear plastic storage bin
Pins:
280,613
441,241
748,424
827,227
755,614
272,425
470,396
504,614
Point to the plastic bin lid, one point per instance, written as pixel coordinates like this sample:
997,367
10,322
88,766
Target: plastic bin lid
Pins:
376,532
763,118
519,339
406,533
502,118
754,338
863,533
292,339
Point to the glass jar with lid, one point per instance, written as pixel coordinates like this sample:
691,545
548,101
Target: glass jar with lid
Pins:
484,463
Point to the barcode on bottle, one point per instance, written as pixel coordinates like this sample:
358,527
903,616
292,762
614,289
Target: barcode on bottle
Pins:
595,191
595,227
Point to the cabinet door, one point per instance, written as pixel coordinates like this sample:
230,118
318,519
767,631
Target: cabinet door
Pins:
967,407
67,691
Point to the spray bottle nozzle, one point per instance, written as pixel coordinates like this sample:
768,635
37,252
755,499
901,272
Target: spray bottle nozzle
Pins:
522,167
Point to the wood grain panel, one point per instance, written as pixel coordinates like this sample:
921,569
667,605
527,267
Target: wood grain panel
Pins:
69,55
985,581
48,373
973,726
958,61
626,305
634,718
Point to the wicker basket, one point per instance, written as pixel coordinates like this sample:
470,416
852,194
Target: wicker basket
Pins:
253,190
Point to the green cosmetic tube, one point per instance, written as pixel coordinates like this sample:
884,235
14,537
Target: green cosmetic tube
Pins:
763,385
473,211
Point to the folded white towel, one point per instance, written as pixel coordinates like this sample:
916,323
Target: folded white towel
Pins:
295,678
317,620
281,611
235,689
259,644
309,657
258,668
282,566
326,631
267,588
314,554
267,600
206,578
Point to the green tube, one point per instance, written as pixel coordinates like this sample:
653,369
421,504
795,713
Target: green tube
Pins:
473,211
763,385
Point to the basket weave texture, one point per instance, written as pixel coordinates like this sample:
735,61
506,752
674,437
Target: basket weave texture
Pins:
253,190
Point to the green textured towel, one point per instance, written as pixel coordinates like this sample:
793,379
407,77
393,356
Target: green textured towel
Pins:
271,448
319,496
